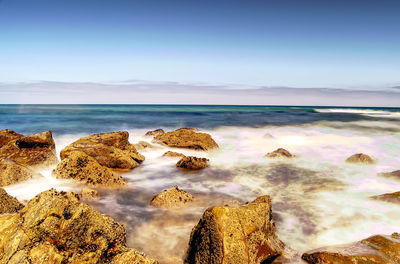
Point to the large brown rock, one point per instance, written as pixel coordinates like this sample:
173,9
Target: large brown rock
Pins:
235,234
112,150
8,135
192,163
378,249
388,197
9,204
81,167
154,133
173,197
187,138
33,150
55,227
280,153
360,158
12,173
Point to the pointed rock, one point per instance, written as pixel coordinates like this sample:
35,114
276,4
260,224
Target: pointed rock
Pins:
280,153
9,204
173,197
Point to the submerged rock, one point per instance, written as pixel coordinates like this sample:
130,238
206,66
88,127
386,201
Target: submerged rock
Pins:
55,227
143,145
89,194
192,163
173,197
388,197
8,135
173,154
187,138
9,204
81,167
33,150
378,249
235,234
393,174
360,158
280,153
112,150
155,133
12,173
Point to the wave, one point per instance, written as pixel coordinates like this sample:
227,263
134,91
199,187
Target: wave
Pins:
364,112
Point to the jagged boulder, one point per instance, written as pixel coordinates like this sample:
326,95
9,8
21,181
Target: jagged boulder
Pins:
173,197
143,145
154,133
112,150
8,135
173,154
280,153
235,234
187,138
388,197
360,158
378,249
12,173
89,194
33,150
55,227
9,204
192,163
81,167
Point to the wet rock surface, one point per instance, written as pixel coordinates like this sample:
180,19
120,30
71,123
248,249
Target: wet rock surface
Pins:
360,158
154,133
173,154
8,135
55,227
235,234
192,163
12,173
187,138
112,150
143,145
173,197
9,204
280,153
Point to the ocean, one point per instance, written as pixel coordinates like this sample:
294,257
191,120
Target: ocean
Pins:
317,199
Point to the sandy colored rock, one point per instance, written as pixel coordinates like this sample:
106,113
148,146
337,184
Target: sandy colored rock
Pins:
173,197
154,133
192,163
89,194
393,174
360,158
33,150
388,197
112,150
9,204
187,138
8,135
280,153
55,227
81,167
235,234
173,154
12,173
378,249
143,145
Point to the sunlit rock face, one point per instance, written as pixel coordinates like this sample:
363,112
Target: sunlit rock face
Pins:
235,234
192,163
112,150
173,197
360,158
12,173
8,204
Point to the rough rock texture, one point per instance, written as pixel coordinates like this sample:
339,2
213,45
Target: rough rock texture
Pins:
9,204
379,249
187,138
8,135
173,197
360,158
388,197
11,172
112,150
280,153
143,145
393,174
192,163
173,154
235,234
155,133
32,150
89,194
81,167
55,227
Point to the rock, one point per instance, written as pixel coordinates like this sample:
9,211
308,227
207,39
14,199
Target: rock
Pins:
360,159
143,145
8,135
12,173
378,249
55,227
393,174
192,163
155,133
187,138
388,197
280,153
112,150
9,204
32,150
173,197
81,167
89,194
173,154
235,234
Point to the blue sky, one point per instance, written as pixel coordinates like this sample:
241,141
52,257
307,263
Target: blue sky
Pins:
295,43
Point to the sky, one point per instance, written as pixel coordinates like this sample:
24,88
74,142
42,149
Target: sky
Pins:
286,43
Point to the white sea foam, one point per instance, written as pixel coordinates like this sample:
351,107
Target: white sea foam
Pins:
366,112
